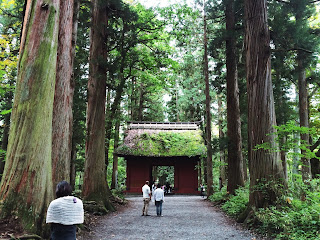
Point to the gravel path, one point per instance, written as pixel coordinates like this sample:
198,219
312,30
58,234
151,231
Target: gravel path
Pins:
185,217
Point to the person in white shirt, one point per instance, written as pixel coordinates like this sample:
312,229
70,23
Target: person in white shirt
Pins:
146,195
159,199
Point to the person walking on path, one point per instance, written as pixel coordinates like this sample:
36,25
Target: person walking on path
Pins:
146,194
159,199
202,189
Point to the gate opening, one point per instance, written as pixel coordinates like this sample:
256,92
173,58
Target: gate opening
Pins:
164,175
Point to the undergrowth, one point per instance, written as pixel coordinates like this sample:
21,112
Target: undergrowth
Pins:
118,192
295,216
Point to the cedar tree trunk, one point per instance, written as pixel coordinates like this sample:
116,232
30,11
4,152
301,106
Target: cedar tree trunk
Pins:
264,164
235,160
76,8
63,97
73,166
283,156
208,112
114,183
223,172
95,185
304,118
26,187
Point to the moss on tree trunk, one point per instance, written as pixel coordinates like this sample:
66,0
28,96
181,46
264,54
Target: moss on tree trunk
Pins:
26,187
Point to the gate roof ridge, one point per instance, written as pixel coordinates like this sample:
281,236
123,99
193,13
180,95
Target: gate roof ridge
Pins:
164,125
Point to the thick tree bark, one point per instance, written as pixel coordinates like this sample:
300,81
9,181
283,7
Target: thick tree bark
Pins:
26,187
109,116
304,118
208,111
76,8
283,156
235,160
264,164
223,167
315,166
204,166
63,97
73,166
95,185
114,183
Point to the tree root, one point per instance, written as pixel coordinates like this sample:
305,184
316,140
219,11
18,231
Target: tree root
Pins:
25,237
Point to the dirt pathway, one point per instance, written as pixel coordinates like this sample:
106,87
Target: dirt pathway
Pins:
185,217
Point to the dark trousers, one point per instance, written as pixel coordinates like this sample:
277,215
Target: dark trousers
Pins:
159,207
63,232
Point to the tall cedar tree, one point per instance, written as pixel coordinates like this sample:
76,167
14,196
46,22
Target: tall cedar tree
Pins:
264,165
235,160
63,97
73,156
81,69
95,185
301,23
222,169
26,187
208,107
114,182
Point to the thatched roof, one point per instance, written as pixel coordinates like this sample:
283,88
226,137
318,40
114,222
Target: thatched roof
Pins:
162,140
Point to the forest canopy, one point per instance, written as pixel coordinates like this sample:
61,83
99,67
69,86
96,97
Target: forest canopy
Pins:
74,73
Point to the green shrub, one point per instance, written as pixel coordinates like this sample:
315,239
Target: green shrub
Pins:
295,220
237,203
291,218
220,196
119,192
298,221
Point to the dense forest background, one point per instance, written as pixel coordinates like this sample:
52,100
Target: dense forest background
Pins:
249,72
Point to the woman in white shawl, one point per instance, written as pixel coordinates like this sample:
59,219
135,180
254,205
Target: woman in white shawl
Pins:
64,212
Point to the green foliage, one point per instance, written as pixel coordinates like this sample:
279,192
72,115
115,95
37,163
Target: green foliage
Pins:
10,27
164,175
289,131
219,196
169,143
122,174
119,192
295,220
185,81
290,219
237,203
233,205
